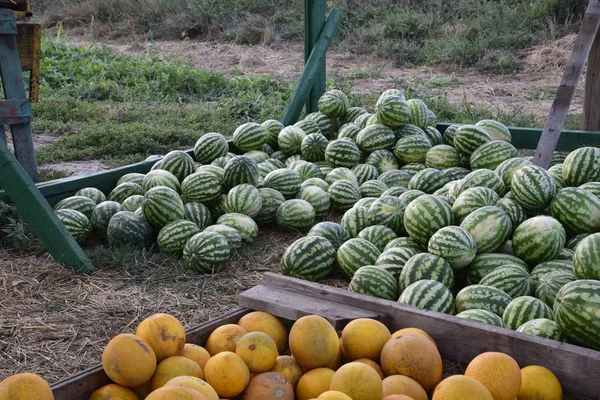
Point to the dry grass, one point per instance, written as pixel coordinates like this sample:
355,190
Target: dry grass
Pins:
548,57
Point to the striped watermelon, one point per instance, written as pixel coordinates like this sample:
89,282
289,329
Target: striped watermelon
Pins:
388,211
434,136
468,138
586,261
234,238
344,194
538,239
514,211
506,169
310,258
244,199
577,210
159,177
533,187
425,215
365,202
92,193
429,295
162,205
473,199
308,126
428,180
379,235
395,191
426,266
340,173
495,129
576,312
200,187
216,171
132,203
557,173
547,267
413,168
383,160
374,281
410,195
432,119
257,155
482,297
179,163
373,188
407,242
198,213
313,147
295,215
592,187
217,207
372,120
361,120
174,235
222,161
209,147
511,279
544,328
375,137
285,181
351,114
318,182
265,167
318,199
349,130
333,103
83,204
131,177
238,170
355,220
365,172
523,309
335,233
491,154
393,259
102,214
342,153
409,130
293,161
268,150
574,241
308,170
483,316
418,113
129,229
582,166
123,191
449,133
78,225
395,178
206,252
356,253
271,200
280,156
325,124
242,223
272,128
442,156
548,285
566,254
483,178
249,136
290,140
412,149
392,110
393,92
455,245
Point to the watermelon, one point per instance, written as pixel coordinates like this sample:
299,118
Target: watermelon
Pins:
429,295
507,168
576,312
577,210
206,252
428,180
388,211
271,200
242,223
395,178
342,153
335,233
361,120
374,281
279,156
365,172
442,156
375,137
483,316
455,245
78,225
344,194
308,170
407,242
548,285
355,220
412,149
333,103
431,119
325,124
409,130
162,205
418,113
586,261
379,235
533,187
290,140
272,128
468,138
198,213
265,167
473,199
159,177
244,199
365,202
221,161
123,191
425,215
483,178
209,147
217,207
582,166
557,173
295,215
511,279
383,160
392,110
434,136
293,161
395,191
372,188
131,177
200,187
92,193
216,171
544,328
174,235
592,187
257,155
496,130
491,154
372,120
523,309
132,203
317,182
239,170
249,136
349,130
310,258
285,181
83,204
393,259
308,126
317,197
130,229
482,297
574,241
538,239
179,163
410,195
547,267
356,253
514,211
340,173
393,92
313,147
102,214
565,254
233,236
449,133
351,114
426,266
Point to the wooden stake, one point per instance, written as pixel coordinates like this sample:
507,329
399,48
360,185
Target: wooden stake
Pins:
591,101
314,20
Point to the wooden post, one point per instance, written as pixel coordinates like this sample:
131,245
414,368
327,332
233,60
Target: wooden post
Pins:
311,70
566,90
314,20
591,101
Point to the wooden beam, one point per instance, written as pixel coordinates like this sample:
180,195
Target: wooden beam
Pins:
568,85
314,20
591,100
311,70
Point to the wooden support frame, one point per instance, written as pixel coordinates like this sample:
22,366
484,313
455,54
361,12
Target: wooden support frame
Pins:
591,100
314,21
29,44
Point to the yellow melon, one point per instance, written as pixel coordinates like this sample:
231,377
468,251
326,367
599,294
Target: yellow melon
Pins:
400,384
498,372
413,355
129,360
337,362
175,393
313,342
397,397
258,351
267,386
539,383
313,383
414,330
197,384
25,386
173,367
264,322
364,338
164,333
114,391
224,338
460,387
227,373
334,395
357,380
195,353
143,391
373,365
288,367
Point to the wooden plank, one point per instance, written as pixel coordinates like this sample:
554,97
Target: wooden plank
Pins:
293,306
80,385
314,20
568,85
462,340
591,102
311,69
35,74
14,108
39,215
17,5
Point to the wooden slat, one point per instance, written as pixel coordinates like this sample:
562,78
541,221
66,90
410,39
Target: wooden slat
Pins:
14,108
314,20
462,340
591,101
568,85
35,74
82,384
